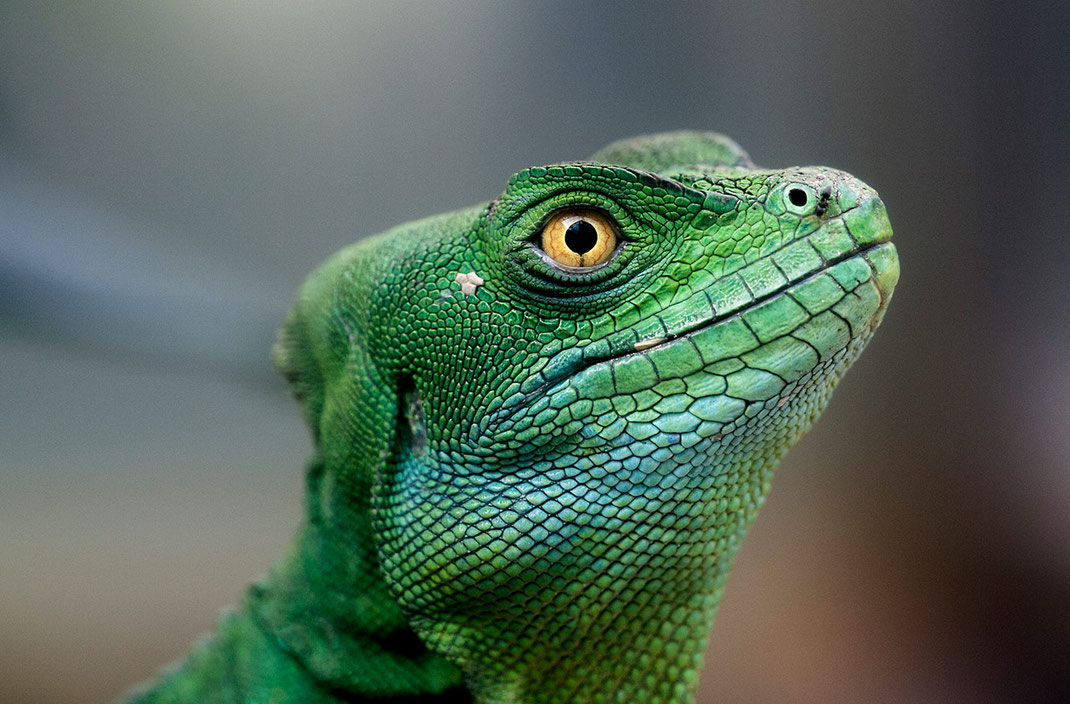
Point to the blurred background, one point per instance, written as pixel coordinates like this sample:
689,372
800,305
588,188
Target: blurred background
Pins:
169,173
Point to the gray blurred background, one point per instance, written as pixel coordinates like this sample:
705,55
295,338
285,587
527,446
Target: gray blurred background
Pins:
169,172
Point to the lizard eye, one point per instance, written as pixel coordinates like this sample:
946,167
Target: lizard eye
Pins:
578,237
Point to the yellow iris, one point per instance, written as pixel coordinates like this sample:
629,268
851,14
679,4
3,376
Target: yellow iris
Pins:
579,237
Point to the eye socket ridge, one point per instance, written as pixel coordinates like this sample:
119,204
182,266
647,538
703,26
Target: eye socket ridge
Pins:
578,238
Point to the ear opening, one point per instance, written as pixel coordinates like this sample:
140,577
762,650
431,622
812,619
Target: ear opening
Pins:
411,420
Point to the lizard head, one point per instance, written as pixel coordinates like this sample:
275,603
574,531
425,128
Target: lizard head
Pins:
596,375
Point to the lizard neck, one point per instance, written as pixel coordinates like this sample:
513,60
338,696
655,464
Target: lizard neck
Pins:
327,605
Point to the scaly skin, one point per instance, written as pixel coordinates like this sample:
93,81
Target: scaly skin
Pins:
528,484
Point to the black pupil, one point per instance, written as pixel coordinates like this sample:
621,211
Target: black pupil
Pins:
797,196
581,237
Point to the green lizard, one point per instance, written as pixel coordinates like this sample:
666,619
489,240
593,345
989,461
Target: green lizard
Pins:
543,425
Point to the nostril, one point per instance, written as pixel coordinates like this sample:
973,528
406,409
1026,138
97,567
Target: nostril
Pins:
799,199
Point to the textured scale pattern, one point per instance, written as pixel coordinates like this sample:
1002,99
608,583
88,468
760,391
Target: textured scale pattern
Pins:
529,481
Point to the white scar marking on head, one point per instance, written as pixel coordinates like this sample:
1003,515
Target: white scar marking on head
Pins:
469,282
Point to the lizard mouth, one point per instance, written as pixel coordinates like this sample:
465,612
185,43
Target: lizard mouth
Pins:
881,266
879,256
860,254
819,323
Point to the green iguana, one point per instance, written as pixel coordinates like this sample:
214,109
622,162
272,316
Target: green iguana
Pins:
543,425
